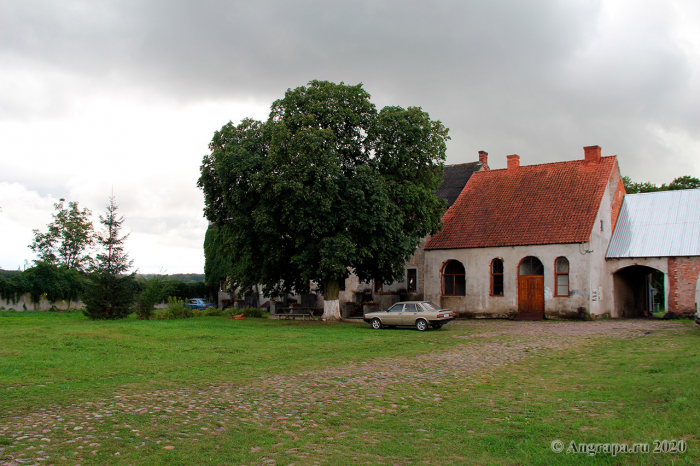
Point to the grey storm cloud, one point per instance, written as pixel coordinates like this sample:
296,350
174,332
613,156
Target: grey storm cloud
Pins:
538,78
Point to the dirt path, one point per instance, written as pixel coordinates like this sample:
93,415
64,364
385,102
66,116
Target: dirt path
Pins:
284,403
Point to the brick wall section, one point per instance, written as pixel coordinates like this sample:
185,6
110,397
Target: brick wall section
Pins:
617,194
683,276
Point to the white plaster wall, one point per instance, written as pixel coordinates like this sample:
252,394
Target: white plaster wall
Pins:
599,278
477,263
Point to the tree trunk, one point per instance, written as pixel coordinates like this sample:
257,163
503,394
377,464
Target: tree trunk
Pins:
331,305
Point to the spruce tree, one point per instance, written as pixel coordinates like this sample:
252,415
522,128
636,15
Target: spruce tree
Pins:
109,291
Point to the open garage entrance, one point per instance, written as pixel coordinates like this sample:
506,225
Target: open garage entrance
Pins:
637,289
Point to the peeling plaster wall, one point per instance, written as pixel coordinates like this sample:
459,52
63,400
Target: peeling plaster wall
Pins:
477,263
24,303
600,280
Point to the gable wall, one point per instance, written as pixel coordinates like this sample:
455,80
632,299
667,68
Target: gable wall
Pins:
616,194
601,279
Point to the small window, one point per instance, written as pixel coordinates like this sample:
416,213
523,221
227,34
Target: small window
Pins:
561,274
410,307
378,286
411,280
453,279
395,308
497,277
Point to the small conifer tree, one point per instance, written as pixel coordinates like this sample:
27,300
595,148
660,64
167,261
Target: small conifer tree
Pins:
109,291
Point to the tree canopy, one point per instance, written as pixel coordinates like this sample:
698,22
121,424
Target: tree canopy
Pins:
68,238
682,182
326,184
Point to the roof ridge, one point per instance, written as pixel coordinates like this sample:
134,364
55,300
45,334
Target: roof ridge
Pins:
550,163
465,163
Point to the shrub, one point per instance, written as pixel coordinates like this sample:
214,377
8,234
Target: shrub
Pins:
161,314
153,292
252,312
108,296
177,309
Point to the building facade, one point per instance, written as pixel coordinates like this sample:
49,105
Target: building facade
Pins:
529,241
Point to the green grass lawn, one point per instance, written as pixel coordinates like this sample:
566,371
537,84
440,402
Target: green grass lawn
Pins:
212,390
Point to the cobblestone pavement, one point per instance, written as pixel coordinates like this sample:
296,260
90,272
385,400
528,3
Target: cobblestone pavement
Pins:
288,402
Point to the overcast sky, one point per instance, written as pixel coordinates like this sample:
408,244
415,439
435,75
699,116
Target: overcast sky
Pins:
122,95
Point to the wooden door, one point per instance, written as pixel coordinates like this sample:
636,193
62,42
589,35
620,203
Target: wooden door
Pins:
531,293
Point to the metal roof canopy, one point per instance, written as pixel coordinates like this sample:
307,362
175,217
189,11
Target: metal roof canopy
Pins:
658,224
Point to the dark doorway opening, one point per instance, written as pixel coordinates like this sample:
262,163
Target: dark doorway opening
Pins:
637,289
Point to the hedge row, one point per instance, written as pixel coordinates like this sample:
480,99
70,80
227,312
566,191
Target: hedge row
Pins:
60,283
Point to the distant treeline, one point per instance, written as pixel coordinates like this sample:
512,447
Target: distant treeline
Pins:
181,277
56,283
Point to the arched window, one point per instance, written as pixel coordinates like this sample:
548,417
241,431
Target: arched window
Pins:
561,274
531,266
453,281
497,277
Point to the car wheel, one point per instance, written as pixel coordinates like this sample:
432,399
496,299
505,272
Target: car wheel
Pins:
376,323
422,325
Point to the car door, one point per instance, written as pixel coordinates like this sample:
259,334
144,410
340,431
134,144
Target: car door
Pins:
409,314
393,315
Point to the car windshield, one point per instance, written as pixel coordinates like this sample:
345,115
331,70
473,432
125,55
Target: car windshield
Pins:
430,306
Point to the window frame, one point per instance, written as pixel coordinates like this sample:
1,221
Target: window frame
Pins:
408,280
556,278
443,277
391,309
493,276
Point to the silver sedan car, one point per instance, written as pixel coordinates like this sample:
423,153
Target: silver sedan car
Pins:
419,314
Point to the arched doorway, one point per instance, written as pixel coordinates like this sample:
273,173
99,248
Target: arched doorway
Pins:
530,289
637,287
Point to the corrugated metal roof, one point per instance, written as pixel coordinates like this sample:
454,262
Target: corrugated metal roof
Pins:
659,224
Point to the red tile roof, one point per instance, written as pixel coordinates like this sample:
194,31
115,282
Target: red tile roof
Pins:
532,204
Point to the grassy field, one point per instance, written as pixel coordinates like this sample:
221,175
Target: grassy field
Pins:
216,391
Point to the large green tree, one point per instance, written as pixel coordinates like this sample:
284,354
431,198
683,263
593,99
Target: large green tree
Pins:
68,239
325,186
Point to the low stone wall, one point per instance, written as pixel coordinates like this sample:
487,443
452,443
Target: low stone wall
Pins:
24,303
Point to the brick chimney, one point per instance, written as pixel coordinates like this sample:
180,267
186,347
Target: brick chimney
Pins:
592,154
484,158
513,161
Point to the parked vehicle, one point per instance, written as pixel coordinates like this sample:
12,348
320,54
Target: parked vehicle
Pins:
198,303
419,314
